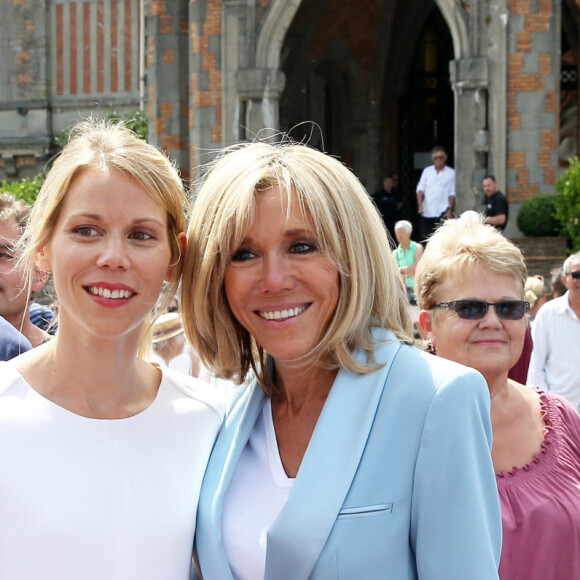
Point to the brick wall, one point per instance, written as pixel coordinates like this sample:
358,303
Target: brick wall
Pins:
533,84
205,80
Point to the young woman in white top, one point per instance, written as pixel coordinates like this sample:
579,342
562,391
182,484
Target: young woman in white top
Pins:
101,453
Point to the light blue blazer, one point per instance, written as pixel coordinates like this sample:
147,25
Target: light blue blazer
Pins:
397,482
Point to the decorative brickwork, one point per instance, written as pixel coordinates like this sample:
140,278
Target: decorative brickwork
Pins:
205,80
167,62
532,99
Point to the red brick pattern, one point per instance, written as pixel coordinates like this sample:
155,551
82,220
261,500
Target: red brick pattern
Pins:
519,82
96,38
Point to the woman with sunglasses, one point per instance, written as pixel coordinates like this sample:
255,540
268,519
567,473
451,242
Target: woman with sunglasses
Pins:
470,286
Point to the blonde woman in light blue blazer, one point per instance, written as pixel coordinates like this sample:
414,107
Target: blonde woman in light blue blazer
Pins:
350,454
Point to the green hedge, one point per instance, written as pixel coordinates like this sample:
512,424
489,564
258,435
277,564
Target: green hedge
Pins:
537,216
568,203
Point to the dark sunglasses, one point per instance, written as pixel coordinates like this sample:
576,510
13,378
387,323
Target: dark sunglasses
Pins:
477,309
575,275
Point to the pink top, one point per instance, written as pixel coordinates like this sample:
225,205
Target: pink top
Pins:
540,502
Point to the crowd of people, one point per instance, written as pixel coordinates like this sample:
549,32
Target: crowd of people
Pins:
268,391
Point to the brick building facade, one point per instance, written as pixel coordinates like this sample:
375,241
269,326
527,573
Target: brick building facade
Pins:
376,82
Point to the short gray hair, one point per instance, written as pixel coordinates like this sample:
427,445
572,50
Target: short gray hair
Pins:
568,262
404,225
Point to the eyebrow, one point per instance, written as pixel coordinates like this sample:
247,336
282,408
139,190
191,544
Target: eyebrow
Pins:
288,234
99,218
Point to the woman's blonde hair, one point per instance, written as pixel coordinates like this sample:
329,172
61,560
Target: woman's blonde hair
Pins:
534,289
462,243
99,144
349,231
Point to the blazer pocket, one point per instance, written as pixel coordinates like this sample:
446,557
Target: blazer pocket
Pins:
366,511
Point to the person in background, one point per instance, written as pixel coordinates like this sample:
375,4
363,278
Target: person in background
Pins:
558,286
388,202
101,453
435,193
496,204
43,316
12,342
170,347
15,293
535,294
470,287
349,450
407,255
556,336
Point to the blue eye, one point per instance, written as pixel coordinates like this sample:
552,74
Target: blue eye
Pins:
242,255
303,247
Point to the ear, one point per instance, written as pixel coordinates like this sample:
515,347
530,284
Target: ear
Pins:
174,269
426,321
42,259
39,279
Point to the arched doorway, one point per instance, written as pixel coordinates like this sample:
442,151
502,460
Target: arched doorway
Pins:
372,77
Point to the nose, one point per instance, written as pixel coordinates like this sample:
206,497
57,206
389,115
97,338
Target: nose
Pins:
114,253
491,319
277,274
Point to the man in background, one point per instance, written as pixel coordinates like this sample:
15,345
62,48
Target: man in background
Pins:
556,338
496,204
14,294
435,193
388,202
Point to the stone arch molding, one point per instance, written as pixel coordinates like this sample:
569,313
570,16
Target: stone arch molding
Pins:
282,12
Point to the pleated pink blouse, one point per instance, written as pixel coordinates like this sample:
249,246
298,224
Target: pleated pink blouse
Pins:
540,502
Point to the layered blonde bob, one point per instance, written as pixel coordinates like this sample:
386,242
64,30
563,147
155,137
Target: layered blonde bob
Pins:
349,231
459,244
100,144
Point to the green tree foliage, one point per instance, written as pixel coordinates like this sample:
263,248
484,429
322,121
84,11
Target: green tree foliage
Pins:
537,216
28,188
136,121
568,203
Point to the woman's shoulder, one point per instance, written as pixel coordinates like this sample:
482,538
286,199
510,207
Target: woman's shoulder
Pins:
195,389
425,379
9,377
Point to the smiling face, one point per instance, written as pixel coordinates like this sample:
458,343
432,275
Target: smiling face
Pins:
490,345
109,253
280,287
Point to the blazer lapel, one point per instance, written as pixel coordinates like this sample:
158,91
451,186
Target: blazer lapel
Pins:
222,464
299,534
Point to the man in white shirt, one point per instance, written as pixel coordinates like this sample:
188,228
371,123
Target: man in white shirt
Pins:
556,337
435,193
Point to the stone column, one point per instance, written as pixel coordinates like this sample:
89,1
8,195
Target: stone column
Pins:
469,79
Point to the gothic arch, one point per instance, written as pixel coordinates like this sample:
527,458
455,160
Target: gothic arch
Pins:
281,14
